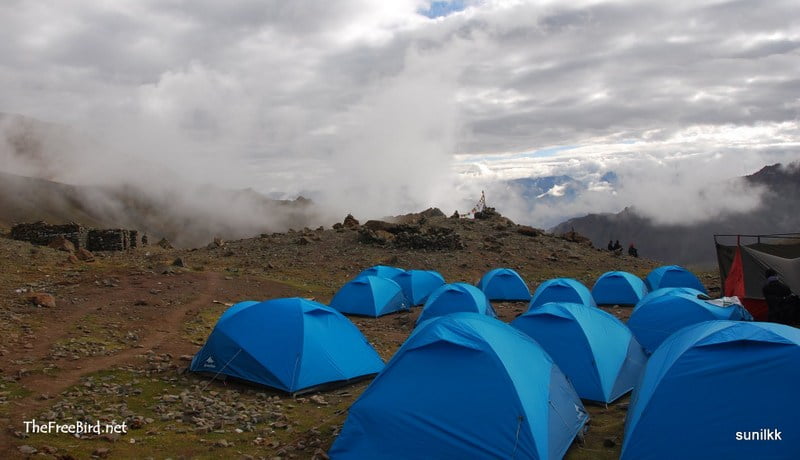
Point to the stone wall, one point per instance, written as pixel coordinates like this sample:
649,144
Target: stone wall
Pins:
41,233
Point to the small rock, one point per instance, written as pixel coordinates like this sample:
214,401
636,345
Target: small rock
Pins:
42,300
27,450
178,262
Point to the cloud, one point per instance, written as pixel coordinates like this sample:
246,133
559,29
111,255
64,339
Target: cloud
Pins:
375,108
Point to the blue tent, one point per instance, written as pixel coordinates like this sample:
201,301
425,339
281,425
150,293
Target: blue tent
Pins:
456,297
464,386
671,291
673,276
562,290
706,391
418,284
618,288
594,349
370,296
383,271
504,284
657,317
290,344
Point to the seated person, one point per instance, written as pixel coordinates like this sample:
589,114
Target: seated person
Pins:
779,299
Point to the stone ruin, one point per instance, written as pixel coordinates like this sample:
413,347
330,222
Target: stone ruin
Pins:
41,234
92,239
409,236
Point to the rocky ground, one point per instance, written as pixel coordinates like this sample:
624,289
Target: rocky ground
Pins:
109,338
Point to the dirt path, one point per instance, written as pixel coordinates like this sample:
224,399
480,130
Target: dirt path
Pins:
162,333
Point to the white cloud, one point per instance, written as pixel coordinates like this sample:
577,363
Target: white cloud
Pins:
378,109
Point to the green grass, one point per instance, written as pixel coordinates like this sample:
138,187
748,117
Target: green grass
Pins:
9,392
179,439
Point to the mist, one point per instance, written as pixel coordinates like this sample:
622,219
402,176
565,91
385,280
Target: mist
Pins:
381,108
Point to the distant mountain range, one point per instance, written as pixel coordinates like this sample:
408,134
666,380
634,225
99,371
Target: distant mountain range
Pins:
693,244
37,159
213,211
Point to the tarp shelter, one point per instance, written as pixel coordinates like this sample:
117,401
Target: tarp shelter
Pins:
464,386
383,271
618,288
370,296
658,316
562,290
456,297
290,344
504,284
594,349
673,276
418,284
710,387
743,261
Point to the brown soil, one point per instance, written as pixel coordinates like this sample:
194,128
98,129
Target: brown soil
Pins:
113,313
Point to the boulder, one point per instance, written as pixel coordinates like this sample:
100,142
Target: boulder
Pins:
62,244
42,299
84,255
529,231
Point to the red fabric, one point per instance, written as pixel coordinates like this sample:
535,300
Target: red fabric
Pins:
757,308
734,283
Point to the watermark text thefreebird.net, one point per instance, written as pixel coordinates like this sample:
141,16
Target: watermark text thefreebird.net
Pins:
76,428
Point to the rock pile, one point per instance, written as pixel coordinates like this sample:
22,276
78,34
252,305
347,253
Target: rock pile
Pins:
487,213
409,236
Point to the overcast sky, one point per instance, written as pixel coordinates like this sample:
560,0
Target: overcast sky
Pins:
387,106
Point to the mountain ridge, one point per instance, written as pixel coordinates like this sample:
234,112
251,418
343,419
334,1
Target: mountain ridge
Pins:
693,243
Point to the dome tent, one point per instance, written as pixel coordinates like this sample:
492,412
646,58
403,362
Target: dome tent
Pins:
690,403
673,276
504,284
658,316
594,349
618,288
291,344
562,290
370,296
489,392
453,298
383,271
672,291
417,285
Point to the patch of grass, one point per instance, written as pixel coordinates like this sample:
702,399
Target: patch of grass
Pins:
198,328
603,440
305,422
93,336
10,391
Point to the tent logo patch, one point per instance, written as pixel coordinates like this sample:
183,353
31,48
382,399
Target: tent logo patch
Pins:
210,362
